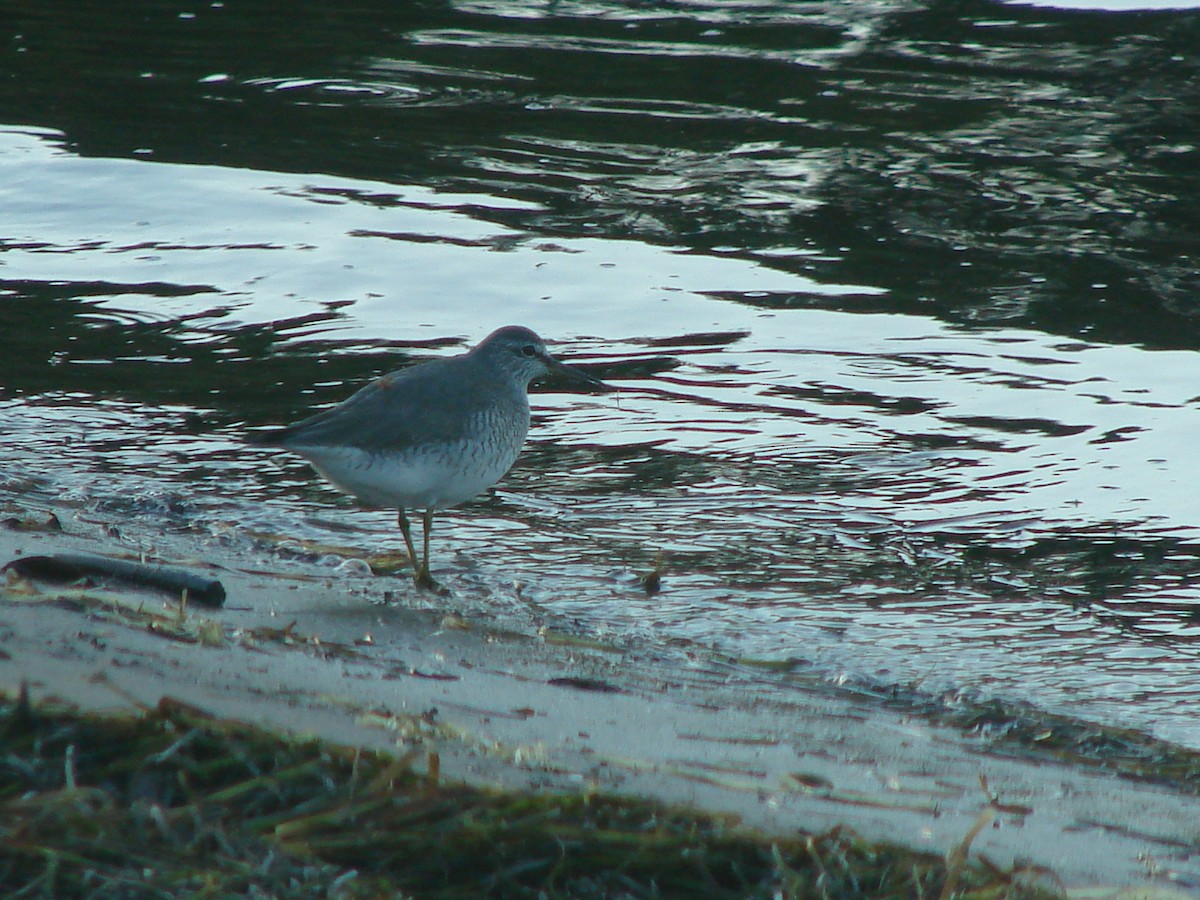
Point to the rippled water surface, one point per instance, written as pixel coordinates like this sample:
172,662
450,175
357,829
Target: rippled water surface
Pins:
901,299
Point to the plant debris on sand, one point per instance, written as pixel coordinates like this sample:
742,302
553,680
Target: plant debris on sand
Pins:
173,802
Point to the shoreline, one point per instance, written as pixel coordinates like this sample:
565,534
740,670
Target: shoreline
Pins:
301,649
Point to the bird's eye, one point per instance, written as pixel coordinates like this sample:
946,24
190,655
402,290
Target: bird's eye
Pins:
529,351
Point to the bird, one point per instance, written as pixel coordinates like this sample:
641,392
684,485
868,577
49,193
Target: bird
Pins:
430,436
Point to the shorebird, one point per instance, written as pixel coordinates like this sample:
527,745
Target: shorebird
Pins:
430,436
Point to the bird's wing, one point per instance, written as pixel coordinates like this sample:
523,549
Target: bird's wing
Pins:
424,403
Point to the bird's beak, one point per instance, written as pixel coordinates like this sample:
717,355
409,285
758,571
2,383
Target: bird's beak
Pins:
574,377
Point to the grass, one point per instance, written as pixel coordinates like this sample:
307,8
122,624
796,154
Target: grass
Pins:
174,803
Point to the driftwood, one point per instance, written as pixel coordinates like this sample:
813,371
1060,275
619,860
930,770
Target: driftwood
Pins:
73,566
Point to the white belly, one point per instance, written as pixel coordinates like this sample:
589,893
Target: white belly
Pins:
437,479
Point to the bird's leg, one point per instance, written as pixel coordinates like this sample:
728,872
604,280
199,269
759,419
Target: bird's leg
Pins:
420,565
406,530
427,522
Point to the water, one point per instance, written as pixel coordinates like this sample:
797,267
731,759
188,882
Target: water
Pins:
902,303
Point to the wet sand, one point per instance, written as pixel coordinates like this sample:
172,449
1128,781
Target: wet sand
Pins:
520,703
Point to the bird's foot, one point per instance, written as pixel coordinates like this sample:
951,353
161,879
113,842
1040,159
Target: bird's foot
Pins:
423,580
